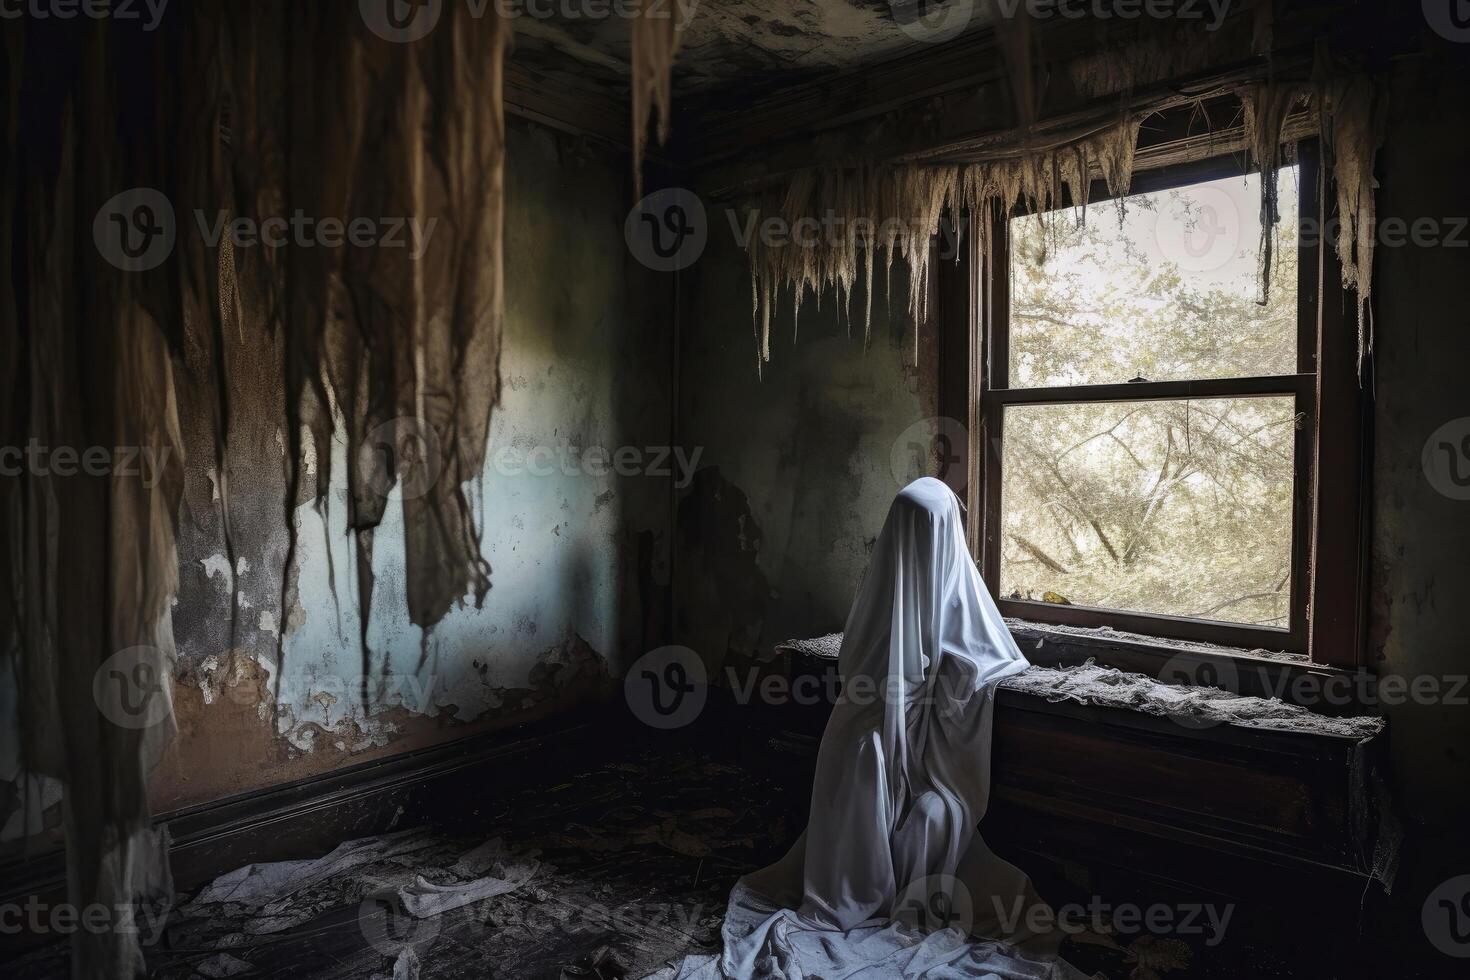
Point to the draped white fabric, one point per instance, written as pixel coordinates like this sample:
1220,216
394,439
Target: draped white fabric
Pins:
891,878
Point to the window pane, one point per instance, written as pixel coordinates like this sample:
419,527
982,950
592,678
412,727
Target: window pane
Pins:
1168,294
1181,508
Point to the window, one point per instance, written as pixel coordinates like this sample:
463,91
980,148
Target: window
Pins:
1153,446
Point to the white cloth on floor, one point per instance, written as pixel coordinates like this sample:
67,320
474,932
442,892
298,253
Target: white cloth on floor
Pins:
891,878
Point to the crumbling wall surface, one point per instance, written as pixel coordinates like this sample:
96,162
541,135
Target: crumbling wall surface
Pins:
578,547
1421,523
798,463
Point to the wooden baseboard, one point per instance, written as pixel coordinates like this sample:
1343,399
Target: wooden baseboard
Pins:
306,818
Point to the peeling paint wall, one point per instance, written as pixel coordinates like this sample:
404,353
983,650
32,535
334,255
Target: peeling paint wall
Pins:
798,465
578,547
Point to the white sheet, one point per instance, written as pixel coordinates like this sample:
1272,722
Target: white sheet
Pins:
891,878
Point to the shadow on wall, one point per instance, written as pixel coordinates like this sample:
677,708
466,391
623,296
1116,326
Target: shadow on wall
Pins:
723,594
802,459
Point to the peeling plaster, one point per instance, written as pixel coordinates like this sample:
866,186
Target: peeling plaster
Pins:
566,605
216,565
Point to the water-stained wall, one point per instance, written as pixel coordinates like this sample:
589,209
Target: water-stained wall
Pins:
575,503
574,540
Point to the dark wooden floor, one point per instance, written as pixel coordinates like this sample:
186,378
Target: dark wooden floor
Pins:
635,857
635,862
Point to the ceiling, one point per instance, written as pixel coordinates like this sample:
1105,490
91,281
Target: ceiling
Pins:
745,44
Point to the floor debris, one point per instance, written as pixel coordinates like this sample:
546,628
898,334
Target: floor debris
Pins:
611,876
606,876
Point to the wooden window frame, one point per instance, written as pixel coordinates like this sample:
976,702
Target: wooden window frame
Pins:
1328,573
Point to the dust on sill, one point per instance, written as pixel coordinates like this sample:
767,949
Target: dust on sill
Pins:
1191,705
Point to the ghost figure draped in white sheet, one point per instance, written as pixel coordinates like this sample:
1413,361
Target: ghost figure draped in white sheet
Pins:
891,878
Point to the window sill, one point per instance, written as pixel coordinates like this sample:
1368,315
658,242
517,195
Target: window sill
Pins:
1289,677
